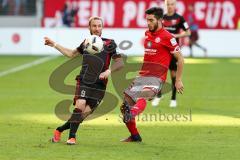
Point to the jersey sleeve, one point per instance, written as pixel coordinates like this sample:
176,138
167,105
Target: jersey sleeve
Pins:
183,24
171,44
112,47
80,48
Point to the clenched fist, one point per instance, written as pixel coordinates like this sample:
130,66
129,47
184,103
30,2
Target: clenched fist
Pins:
49,42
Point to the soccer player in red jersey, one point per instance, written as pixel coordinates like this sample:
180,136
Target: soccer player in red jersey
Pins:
160,47
178,27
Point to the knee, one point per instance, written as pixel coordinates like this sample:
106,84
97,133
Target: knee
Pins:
128,100
142,103
80,104
173,74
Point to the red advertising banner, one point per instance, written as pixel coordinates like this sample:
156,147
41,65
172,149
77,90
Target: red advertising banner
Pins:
218,14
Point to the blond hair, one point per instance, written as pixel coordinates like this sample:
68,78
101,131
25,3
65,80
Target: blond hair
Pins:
94,18
175,1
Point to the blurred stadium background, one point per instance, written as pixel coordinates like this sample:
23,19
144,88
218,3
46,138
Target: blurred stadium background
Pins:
25,22
27,103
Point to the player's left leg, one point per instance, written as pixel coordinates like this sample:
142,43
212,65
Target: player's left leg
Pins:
173,70
173,102
191,48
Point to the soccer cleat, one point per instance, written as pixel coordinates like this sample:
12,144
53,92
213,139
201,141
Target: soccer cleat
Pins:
126,111
156,101
56,136
173,104
71,141
133,138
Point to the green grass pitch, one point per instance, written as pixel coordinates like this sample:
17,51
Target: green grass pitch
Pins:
212,94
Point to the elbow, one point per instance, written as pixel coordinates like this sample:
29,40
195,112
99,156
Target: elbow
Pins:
121,65
71,54
182,60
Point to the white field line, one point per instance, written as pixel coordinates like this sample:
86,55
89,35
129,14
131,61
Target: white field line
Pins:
27,65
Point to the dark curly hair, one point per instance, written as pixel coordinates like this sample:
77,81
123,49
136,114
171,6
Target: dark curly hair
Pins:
156,11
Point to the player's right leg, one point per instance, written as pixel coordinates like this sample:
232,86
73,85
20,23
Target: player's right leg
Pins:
157,99
85,113
73,123
192,39
202,48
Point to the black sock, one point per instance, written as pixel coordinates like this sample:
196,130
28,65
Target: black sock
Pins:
75,120
159,95
73,129
64,127
174,90
191,51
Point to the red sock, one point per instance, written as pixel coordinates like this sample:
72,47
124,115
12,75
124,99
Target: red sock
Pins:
131,125
138,107
135,110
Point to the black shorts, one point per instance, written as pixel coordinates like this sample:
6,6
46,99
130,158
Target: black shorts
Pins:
194,36
92,93
173,64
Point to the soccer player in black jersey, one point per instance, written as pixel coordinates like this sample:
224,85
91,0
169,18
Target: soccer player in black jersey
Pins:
92,80
176,25
194,31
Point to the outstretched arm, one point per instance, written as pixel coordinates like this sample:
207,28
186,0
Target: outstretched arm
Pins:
117,65
65,51
180,63
183,34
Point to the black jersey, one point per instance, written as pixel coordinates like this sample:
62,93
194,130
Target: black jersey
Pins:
174,23
93,65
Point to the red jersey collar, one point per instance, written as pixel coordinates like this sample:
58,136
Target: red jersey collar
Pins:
156,32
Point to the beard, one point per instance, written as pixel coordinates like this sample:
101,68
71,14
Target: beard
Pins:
98,34
155,27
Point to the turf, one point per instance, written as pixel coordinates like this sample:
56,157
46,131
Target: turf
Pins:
210,104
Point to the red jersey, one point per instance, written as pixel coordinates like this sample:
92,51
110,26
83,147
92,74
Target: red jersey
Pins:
159,48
